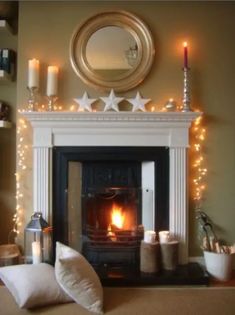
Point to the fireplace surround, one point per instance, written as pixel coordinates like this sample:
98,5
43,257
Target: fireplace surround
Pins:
111,129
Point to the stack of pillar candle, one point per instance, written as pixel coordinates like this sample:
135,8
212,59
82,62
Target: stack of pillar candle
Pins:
169,250
149,253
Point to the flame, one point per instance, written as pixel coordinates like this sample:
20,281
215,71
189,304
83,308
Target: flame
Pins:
117,217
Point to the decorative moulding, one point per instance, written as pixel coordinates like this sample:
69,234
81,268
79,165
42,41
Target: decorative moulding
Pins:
170,117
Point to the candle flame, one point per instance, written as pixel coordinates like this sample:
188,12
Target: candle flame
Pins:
185,44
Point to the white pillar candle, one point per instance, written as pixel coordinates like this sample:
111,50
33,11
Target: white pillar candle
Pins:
164,236
149,237
33,73
52,80
36,253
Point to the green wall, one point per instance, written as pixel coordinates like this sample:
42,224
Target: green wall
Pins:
45,29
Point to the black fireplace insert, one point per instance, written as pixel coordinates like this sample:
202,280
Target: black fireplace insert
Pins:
99,200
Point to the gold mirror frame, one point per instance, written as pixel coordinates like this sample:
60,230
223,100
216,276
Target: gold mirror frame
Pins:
135,27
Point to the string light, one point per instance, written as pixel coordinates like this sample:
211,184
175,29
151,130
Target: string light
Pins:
198,164
22,149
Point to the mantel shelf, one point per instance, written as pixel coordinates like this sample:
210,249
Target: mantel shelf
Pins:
5,124
111,116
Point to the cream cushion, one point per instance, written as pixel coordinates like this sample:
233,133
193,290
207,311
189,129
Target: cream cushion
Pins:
33,285
78,278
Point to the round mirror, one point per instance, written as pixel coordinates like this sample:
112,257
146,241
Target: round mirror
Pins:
112,50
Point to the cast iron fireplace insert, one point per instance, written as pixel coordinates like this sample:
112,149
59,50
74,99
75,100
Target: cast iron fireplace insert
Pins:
108,184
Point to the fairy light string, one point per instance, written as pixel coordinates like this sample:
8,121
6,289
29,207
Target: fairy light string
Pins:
22,149
198,162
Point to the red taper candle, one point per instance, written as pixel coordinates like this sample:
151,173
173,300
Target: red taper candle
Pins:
185,54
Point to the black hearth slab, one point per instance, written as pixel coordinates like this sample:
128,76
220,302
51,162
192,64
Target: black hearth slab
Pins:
190,274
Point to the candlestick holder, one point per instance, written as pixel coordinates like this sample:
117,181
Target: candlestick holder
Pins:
32,100
51,102
186,91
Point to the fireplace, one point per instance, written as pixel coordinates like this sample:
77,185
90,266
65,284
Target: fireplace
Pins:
104,198
169,130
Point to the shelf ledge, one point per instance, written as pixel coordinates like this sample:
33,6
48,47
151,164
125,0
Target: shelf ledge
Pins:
4,26
5,124
4,76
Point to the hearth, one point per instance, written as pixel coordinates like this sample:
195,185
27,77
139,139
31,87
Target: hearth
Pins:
104,197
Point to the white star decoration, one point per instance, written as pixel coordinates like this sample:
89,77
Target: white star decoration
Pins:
138,102
111,102
85,102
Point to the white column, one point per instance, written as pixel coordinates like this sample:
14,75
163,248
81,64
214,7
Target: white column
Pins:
42,182
178,200
42,173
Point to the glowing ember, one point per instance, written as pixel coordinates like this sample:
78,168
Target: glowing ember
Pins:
111,234
117,217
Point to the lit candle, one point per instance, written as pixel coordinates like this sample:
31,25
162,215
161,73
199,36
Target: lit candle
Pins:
52,80
33,73
149,237
164,236
36,253
185,44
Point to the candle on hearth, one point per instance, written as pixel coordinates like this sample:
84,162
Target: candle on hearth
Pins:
52,80
36,252
185,44
33,73
164,236
149,237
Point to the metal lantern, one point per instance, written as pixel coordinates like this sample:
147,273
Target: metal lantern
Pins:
38,240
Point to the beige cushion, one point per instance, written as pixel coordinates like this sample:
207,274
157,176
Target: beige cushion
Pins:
33,285
78,278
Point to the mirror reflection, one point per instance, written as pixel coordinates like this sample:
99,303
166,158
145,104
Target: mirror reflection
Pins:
111,52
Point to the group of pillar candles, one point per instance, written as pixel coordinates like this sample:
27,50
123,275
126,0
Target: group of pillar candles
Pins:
52,77
156,255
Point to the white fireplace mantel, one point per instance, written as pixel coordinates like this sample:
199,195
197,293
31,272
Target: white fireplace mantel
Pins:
168,129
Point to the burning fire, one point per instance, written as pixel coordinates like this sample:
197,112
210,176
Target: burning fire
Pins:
117,217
